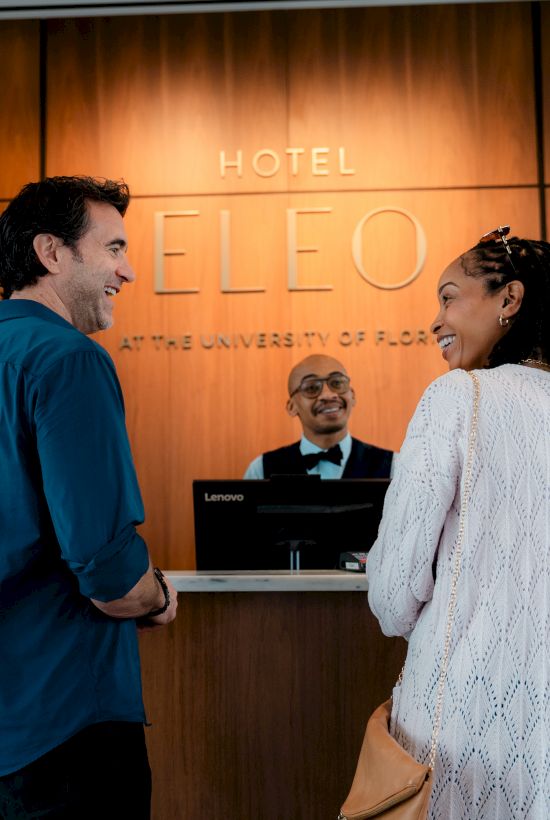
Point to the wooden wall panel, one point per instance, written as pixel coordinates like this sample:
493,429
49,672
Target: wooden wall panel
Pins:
19,105
418,97
154,99
205,412
421,96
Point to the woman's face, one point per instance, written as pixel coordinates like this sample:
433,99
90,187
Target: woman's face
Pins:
467,325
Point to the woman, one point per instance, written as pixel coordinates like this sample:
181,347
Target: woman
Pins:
493,757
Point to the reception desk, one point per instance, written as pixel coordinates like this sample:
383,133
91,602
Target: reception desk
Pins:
259,692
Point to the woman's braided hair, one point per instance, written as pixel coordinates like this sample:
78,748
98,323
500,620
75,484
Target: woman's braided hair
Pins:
529,333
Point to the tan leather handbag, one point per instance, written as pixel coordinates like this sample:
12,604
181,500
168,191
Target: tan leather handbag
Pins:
389,783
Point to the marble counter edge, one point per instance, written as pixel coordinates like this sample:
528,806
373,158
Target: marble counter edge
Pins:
274,581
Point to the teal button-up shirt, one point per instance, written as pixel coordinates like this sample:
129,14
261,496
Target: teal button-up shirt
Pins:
69,505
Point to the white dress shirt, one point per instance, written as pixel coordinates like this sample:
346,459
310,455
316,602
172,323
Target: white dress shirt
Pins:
326,469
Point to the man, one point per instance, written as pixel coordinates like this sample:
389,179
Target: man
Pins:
321,396
74,573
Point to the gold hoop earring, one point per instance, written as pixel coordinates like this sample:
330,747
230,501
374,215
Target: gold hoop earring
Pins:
503,321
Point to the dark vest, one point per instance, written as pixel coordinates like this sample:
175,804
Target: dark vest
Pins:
365,461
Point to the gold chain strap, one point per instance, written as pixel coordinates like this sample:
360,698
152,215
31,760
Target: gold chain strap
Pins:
456,572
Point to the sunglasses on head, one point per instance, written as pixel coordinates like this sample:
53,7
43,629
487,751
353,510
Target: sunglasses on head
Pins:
500,233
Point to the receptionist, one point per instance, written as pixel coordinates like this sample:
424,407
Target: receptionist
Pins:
321,396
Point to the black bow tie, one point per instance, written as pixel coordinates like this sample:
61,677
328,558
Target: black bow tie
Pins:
312,459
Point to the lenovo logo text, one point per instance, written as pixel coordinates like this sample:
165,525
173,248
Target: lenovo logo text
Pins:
223,497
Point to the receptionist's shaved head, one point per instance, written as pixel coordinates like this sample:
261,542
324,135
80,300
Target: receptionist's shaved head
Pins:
315,365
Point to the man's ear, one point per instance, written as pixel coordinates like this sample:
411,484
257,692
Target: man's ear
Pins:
46,247
512,297
352,397
291,408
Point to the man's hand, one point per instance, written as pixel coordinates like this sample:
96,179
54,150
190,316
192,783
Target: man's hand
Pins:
145,624
146,596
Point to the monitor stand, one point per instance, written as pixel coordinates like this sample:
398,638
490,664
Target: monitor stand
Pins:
294,546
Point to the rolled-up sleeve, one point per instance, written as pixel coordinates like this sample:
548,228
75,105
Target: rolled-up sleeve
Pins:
88,473
427,476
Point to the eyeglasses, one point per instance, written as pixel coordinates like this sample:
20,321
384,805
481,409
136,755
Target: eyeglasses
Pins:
313,387
500,233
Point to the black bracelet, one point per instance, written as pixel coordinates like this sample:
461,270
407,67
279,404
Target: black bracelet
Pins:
160,578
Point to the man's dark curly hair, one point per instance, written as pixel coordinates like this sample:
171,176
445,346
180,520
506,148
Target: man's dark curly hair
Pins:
529,333
58,206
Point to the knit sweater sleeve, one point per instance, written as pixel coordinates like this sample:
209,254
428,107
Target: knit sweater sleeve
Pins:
421,496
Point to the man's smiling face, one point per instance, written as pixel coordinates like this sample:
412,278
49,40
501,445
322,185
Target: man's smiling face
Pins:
327,413
94,271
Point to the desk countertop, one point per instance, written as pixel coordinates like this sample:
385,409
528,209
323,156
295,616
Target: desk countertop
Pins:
272,581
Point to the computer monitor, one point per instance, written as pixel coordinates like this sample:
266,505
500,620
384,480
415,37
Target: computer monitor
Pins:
257,525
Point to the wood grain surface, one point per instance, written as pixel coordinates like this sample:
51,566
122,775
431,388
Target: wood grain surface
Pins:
259,701
419,97
19,105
